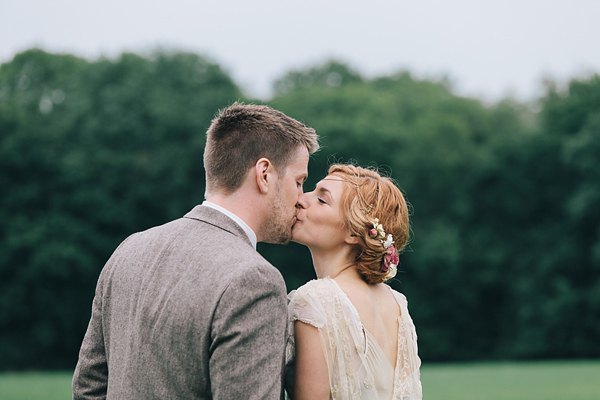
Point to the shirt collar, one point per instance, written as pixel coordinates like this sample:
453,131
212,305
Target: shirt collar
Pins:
249,232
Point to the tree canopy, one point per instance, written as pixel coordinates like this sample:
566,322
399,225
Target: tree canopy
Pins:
504,259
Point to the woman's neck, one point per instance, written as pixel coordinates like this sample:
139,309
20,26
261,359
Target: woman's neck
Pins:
330,263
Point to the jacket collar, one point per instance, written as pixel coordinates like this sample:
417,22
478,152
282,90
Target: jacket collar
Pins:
218,219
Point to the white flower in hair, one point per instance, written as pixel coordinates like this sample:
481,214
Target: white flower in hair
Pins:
389,241
377,231
391,273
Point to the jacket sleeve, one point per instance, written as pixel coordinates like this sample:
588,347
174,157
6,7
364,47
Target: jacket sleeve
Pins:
248,337
90,379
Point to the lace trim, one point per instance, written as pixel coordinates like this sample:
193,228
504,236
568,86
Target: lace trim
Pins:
407,383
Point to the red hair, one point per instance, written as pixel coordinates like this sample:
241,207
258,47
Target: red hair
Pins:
368,195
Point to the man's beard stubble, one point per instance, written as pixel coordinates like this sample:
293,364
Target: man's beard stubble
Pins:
278,227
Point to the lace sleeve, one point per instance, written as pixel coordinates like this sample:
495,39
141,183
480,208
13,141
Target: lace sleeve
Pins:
302,307
320,304
306,308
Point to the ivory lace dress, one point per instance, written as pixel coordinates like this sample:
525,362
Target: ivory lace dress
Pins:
358,368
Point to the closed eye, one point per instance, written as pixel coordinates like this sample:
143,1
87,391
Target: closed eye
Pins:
321,200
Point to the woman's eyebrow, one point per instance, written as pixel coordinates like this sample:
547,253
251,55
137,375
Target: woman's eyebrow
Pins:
325,191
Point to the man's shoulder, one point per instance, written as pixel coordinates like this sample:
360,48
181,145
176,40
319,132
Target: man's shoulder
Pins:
194,232
252,268
248,278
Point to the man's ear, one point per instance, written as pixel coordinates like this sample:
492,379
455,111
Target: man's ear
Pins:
264,174
351,238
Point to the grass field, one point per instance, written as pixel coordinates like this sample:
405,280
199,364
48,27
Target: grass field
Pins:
564,380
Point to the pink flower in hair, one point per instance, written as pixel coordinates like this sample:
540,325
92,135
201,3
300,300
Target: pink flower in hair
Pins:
390,259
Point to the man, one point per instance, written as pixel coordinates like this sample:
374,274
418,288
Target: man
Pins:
189,309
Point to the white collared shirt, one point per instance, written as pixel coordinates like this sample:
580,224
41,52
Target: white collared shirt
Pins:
249,232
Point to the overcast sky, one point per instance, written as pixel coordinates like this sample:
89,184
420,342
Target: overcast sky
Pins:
487,48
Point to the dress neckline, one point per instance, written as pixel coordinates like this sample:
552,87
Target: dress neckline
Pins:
366,332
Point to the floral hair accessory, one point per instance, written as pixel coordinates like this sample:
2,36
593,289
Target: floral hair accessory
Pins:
390,263
390,258
377,232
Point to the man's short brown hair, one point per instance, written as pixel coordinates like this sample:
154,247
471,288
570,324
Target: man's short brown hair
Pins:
241,134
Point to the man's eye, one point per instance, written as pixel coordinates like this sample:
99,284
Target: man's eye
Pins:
321,201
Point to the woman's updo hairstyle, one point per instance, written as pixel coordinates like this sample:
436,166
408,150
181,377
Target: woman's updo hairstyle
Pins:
367,195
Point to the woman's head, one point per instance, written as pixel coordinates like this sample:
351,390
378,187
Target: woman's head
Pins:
360,196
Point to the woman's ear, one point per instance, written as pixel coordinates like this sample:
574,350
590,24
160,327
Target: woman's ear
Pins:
264,174
351,239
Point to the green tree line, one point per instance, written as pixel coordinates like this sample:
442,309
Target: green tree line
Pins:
504,261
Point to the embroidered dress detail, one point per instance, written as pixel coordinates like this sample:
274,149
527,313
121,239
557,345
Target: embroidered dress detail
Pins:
357,366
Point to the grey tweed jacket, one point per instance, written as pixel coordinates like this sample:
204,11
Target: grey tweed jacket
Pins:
186,310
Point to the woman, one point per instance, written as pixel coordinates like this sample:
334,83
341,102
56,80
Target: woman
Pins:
351,334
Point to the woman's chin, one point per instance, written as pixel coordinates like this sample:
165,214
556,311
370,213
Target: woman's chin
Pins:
297,238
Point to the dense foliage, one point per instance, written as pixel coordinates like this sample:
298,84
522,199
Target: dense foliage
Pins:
90,152
505,256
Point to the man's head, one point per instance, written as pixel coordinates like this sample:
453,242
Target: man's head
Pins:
244,138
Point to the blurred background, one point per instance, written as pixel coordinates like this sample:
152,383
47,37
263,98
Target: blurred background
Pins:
487,116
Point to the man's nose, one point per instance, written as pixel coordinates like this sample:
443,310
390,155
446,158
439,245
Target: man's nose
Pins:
302,203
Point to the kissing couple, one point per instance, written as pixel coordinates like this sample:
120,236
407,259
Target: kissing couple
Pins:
190,309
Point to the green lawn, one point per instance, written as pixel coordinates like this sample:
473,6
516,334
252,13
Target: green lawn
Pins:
559,380
35,385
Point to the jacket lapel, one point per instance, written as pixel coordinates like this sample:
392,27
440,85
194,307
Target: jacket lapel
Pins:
218,219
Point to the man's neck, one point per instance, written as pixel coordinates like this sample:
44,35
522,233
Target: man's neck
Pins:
244,207
249,232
